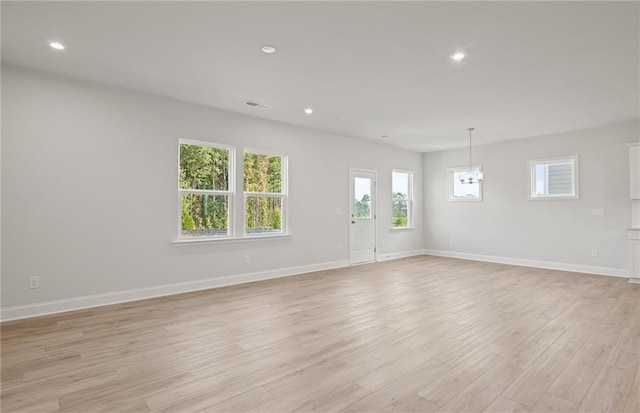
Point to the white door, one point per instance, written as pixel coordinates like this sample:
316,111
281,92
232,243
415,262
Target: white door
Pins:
362,240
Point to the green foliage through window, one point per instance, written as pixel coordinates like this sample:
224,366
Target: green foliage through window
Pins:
400,210
363,207
207,188
263,214
204,170
204,215
204,167
263,175
401,182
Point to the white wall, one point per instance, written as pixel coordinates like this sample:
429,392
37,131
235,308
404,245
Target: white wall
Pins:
89,201
89,177
508,225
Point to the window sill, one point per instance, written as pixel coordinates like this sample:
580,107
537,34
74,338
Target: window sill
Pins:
224,240
401,228
464,200
552,198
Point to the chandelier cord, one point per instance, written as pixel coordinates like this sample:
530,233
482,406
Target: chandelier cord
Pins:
470,176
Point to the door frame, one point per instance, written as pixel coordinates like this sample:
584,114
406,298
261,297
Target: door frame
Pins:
374,208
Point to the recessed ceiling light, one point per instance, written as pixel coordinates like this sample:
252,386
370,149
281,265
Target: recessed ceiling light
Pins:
458,56
268,49
308,111
56,45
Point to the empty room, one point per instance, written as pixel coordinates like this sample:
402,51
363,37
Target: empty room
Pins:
320,206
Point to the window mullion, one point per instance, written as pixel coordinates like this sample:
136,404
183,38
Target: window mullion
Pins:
203,192
271,194
546,180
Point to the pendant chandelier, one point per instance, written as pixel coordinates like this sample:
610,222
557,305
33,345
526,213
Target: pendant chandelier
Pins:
471,176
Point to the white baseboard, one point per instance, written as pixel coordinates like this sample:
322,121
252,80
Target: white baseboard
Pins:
96,300
396,255
613,272
89,301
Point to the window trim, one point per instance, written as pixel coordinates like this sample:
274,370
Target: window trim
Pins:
283,194
571,159
451,171
229,240
409,199
230,192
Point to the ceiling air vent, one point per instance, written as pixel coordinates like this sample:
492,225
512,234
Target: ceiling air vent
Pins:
257,105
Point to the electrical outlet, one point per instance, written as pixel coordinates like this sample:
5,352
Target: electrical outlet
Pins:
450,241
594,253
245,259
382,243
338,211
34,281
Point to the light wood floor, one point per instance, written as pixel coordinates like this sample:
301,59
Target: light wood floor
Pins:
420,334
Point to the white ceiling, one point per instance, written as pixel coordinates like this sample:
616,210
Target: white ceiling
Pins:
366,68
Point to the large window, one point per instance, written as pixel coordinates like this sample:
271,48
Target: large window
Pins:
205,189
264,191
555,178
402,198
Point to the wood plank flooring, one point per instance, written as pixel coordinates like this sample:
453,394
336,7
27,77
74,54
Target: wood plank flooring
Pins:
422,334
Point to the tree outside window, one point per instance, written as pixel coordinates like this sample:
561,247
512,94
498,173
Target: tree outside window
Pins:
205,189
401,198
264,192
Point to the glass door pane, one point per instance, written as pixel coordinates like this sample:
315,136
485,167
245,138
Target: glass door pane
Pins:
362,195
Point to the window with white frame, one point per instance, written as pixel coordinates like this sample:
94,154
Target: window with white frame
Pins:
265,192
206,189
555,178
401,198
459,187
